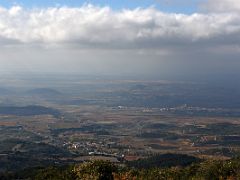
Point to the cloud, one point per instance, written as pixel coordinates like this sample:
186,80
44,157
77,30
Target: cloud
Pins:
221,5
101,27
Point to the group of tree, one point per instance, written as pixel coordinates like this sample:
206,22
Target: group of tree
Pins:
104,170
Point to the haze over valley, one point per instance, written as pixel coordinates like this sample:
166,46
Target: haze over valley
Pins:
114,90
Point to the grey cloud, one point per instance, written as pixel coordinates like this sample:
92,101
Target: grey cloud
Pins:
220,6
101,27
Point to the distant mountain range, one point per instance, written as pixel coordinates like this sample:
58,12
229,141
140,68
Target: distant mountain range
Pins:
43,92
5,91
28,110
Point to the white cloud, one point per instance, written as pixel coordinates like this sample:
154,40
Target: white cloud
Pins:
92,26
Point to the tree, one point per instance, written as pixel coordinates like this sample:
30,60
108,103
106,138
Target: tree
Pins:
95,170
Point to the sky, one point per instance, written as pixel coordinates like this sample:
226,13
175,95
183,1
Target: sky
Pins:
185,6
161,38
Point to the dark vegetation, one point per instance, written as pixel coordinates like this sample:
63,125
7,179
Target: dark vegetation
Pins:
91,128
214,129
17,154
207,113
28,111
104,170
158,134
164,161
12,134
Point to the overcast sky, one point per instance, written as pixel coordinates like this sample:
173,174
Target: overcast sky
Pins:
151,37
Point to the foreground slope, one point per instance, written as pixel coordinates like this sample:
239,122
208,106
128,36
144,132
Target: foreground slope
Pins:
104,170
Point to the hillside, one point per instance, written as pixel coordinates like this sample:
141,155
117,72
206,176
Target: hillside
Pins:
103,170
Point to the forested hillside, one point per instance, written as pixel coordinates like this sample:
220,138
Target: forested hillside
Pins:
104,170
